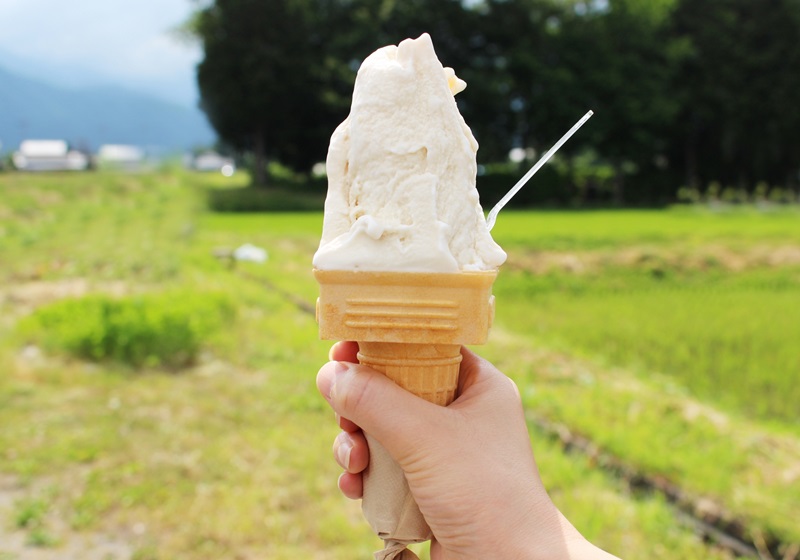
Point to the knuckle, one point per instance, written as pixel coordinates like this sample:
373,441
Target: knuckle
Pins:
508,393
356,390
514,389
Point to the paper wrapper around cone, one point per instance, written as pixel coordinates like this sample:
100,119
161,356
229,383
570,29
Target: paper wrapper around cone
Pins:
410,326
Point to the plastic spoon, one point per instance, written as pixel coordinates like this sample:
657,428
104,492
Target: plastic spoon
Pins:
492,217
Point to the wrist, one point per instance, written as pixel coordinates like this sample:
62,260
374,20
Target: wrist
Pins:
557,539
584,550
538,532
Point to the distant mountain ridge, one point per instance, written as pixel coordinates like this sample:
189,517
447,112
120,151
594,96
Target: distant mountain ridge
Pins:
92,116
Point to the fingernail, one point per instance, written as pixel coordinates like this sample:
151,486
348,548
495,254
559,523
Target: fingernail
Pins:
343,450
325,383
338,369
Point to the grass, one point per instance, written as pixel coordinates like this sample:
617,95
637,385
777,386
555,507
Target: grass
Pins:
747,468
674,350
728,341
149,329
30,512
99,227
229,456
703,297
599,229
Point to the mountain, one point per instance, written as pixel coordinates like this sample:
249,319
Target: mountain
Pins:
76,75
92,116
51,72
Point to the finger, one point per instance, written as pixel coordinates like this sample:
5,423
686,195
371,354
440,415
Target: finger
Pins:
347,425
471,370
351,485
436,549
344,351
399,420
351,451
325,379
479,377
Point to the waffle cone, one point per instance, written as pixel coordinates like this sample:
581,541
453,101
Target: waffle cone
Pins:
409,325
430,371
407,307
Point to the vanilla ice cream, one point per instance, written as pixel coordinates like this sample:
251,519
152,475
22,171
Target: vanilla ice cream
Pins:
401,173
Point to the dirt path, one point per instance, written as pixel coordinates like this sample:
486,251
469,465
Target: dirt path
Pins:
52,539
24,297
711,256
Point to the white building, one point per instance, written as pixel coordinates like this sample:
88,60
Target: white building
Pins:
212,161
49,155
120,156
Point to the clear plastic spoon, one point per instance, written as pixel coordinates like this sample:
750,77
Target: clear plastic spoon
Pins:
492,217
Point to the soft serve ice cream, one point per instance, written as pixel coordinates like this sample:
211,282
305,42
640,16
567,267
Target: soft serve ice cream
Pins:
401,173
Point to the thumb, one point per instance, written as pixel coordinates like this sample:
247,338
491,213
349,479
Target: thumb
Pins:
398,419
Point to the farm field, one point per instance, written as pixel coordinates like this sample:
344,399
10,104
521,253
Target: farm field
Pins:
665,339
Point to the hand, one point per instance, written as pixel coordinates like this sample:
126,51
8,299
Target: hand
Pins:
469,466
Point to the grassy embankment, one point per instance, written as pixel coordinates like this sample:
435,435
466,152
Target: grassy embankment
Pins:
621,326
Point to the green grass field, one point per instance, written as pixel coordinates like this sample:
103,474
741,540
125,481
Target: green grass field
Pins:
666,338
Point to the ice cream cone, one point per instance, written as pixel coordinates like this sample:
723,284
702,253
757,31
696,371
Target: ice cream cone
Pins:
410,326
405,307
429,371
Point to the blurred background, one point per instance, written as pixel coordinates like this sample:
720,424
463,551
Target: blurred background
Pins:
696,96
161,185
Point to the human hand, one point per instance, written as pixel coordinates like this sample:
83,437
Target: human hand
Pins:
469,466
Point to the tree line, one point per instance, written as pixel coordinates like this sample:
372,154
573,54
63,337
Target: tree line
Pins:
686,93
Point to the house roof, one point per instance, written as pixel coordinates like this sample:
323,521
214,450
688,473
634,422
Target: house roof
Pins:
43,148
120,153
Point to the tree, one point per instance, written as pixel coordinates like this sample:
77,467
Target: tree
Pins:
702,88
739,117
267,83
622,60
277,75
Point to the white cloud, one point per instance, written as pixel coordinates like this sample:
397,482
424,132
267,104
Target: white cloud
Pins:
129,42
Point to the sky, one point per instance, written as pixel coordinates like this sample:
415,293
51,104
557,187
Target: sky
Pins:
93,42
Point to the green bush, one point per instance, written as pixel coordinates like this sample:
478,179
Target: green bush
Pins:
151,330
255,199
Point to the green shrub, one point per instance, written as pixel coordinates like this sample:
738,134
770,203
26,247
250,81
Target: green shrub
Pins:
164,329
689,195
255,199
